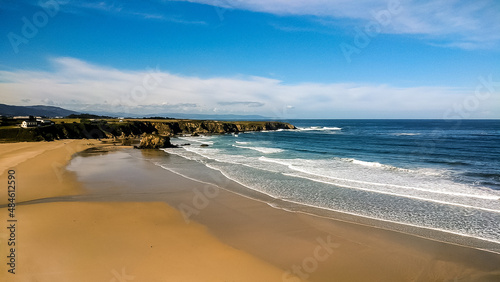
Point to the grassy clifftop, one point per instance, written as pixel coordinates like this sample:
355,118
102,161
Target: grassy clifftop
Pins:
78,129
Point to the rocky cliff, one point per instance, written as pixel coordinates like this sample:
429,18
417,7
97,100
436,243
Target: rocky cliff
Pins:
215,127
135,128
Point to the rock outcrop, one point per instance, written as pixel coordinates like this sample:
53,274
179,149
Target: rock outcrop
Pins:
152,141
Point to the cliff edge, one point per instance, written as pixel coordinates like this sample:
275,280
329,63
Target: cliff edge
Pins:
134,128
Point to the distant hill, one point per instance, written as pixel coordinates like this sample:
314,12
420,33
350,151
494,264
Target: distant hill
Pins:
47,111
185,116
214,117
50,111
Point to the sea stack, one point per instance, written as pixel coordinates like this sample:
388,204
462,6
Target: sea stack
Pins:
153,141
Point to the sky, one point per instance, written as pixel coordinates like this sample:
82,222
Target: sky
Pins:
285,59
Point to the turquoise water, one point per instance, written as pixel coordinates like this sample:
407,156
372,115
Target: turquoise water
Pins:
430,174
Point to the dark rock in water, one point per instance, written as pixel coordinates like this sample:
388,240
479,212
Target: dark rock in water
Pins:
151,141
204,145
186,144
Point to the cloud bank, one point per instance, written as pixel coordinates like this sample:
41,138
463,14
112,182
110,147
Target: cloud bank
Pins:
463,24
82,86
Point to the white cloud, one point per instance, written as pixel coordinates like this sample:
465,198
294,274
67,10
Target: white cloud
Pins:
462,24
78,85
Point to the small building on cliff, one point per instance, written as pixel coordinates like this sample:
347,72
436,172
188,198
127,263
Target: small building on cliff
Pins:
29,123
36,123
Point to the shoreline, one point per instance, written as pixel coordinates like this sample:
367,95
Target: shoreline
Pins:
228,213
126,184
295,207
438,235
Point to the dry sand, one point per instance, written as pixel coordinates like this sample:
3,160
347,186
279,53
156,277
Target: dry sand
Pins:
85,241
40,168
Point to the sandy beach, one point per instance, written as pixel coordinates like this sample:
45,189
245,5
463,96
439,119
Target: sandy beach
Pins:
85,241
115,216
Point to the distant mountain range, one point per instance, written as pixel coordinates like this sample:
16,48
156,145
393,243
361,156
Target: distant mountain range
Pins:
185,116
47,111
50,111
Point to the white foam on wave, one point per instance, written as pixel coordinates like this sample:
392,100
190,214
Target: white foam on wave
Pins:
399,194
354,161
264,150
204,152
202,140
318,128
370,164
405,134
200,154
242,143
370,177
330,170
296,167
388,167
278,161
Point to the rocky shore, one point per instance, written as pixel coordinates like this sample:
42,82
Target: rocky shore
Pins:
134,129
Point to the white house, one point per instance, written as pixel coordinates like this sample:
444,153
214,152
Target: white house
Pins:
34,123
29,123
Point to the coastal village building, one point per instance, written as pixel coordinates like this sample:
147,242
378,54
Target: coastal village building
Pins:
35,123
29,123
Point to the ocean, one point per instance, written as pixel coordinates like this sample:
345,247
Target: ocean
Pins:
438,179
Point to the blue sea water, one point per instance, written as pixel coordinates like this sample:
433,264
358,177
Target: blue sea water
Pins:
441,175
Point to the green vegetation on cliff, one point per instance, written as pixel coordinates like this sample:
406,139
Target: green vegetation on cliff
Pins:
78,129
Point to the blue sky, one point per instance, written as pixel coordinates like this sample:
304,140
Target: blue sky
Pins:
277,58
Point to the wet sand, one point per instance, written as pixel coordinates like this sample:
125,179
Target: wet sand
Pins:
313,248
